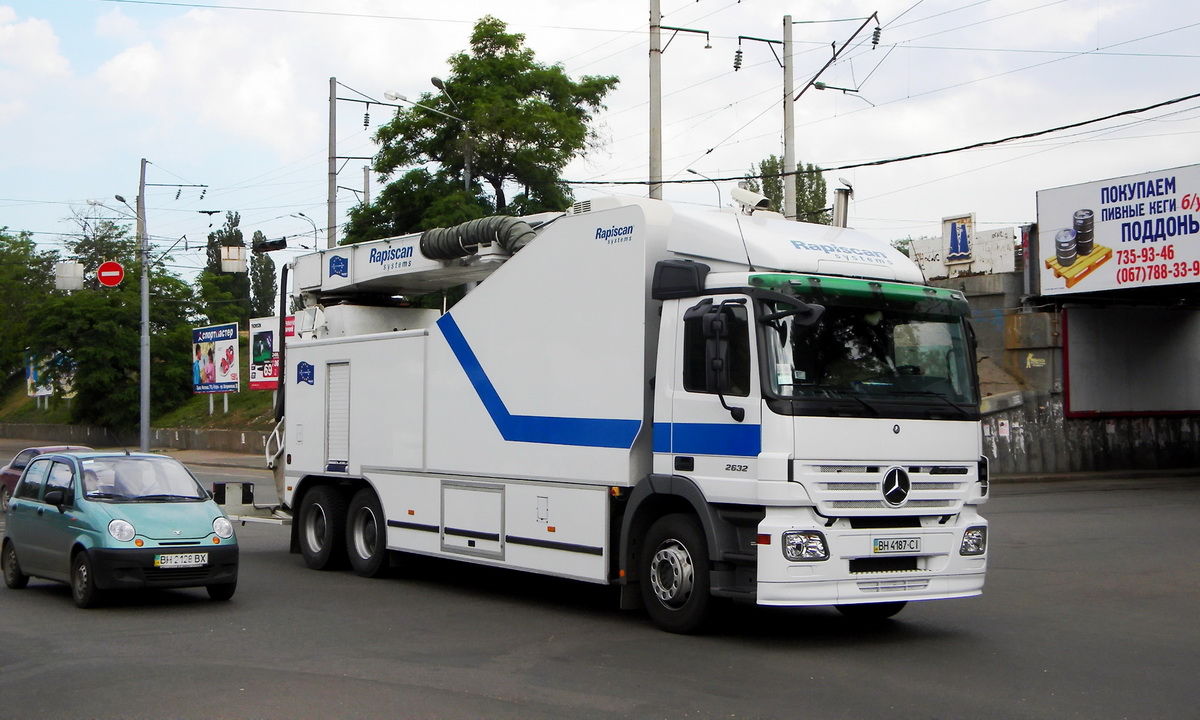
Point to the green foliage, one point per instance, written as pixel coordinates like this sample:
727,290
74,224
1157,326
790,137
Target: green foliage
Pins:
524,121
26,280
418,200
263,284
767,178
224,297
97,335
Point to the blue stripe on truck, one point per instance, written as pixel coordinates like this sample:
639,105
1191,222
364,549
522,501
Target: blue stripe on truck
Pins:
708,439
583,432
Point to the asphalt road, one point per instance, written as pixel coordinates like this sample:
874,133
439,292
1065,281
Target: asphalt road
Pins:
1090,612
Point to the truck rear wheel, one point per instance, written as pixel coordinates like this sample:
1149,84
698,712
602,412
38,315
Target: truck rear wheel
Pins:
674,575
323,528
366,534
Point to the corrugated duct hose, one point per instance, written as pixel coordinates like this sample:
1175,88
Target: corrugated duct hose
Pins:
463,240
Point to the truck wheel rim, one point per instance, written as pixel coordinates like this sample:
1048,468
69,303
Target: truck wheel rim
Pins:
366,533
672,574
315,528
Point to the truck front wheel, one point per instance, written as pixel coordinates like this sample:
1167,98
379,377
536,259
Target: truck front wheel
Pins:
674,575
366,534
323,528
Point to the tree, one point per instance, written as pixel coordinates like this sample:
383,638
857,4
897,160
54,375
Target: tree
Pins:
26,279
523,121
224,297
262,281
767,178
96,333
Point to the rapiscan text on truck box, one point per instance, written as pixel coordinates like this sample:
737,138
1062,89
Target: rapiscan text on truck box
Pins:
696,405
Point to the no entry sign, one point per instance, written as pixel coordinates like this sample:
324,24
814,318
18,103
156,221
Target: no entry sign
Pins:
110,274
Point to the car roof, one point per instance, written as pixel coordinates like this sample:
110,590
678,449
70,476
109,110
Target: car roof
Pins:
43,449
102,454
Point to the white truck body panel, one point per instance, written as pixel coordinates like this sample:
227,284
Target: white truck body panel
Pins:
510,430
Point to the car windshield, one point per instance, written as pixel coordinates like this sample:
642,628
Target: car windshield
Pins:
880,353
139,479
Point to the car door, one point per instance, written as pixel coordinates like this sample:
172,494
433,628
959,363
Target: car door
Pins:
56,527
23,515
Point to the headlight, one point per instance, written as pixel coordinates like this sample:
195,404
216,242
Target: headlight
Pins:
222,527
121,530
804,546
974,541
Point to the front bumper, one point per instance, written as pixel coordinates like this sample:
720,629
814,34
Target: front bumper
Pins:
854,574
134,568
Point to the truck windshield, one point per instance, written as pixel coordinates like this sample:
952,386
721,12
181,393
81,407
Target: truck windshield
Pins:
879,349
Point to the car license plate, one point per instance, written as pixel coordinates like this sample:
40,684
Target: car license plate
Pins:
897,545
181,560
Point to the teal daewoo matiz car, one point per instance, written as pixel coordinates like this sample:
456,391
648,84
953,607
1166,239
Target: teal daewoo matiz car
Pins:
100,521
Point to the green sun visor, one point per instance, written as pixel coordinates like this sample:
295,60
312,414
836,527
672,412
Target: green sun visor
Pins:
872,293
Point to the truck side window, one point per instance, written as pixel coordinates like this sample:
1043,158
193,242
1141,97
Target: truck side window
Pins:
694,355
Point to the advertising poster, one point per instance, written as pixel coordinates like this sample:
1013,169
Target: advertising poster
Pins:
264,353
957,235
215,359
1129,232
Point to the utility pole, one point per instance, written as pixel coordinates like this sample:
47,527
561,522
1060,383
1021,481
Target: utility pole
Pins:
655,100
144,362
789,122
331,204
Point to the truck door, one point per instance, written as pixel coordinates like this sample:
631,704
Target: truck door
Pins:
715,428
337,417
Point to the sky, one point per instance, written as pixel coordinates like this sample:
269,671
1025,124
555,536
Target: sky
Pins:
228,100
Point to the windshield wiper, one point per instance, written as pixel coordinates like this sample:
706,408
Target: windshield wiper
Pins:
106,495
167,497
930,393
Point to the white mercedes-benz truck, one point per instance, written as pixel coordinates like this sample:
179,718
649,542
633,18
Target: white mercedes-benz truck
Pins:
693,404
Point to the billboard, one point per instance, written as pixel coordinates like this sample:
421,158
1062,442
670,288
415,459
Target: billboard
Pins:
215,359
264,353
957,234
1128,232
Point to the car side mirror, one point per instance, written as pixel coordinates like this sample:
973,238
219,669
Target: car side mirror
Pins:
57,498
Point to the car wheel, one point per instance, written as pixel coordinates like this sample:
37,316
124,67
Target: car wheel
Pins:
323,528
13,577
871,612
83,582
3,499
674,574
221,592
366,534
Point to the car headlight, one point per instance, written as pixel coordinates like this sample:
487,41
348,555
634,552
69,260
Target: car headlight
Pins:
121,530
222,527
974,541
804,546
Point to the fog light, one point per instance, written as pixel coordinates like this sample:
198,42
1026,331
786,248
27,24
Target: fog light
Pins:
974,541
804,546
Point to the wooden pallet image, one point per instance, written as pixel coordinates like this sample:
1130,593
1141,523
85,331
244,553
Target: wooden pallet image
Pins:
1082,267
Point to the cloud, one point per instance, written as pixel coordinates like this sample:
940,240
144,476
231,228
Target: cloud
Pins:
29,53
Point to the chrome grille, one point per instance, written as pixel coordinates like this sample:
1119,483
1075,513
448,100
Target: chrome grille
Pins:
854,489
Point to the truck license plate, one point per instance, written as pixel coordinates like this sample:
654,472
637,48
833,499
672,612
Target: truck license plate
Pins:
897,545
180,560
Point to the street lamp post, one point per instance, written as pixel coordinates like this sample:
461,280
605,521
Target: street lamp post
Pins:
437,83
144,355
314,225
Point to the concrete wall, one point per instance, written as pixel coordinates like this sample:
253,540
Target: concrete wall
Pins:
1026,432
240,441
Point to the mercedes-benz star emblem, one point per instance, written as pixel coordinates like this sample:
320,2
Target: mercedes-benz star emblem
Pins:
896,487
